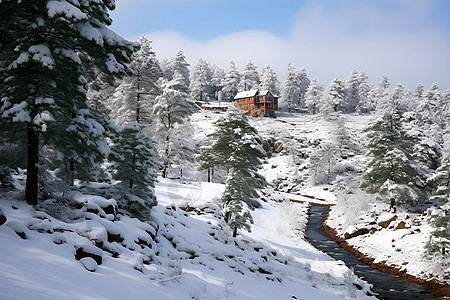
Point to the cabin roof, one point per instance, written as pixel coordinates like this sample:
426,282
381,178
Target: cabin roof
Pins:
246,94
253,93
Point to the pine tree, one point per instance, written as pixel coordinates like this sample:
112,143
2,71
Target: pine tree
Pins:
351,100
365,104
303,83
134,98
231,82
217,78
392,170
322,161
429,114
44,48
178,64
417,96
333,97
134,165
249,77
171,108
200,81
313,96
83,132
380,94
399,99
439,243
238,148
441,181
290,89
269,80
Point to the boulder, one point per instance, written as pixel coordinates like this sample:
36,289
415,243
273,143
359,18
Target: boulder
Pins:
18,228
402,225
278,147
2,218
386,224
266,146
89,263
89,251
355,233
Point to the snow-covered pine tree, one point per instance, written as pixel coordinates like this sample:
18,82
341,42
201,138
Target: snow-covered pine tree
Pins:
392,170
230,82
429,113
333,97
399,99
200,81
365,104
86,147
134,98
269,80
217,77
290,90
178,64
313,96
439,243
303,83
323,161
351,100
417,96
249,77
134,165
238,148
172,108
441,181
182,147
380,95
43,48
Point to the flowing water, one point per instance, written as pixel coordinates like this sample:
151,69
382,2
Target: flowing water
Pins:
387,286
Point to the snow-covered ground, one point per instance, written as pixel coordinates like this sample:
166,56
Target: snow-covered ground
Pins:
191,257
83,249
185,251
394,239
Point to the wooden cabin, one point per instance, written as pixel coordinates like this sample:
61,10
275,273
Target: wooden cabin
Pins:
264,101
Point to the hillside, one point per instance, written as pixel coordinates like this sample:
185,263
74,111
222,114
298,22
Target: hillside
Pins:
185,252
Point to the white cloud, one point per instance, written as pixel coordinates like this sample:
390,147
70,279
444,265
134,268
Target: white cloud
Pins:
330,43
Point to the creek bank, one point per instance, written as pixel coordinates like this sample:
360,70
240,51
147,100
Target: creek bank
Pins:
434,287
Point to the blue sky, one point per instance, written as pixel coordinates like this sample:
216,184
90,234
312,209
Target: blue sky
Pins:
406,40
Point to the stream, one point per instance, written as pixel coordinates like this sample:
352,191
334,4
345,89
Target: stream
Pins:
387,286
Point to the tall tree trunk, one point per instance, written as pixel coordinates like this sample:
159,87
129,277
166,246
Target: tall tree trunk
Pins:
31,192
71,172
235,231
138,104
133,168
289,104
209,174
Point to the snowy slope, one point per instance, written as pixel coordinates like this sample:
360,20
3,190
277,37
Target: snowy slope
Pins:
192,256
185,252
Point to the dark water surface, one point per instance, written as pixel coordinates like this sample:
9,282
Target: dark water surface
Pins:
387,286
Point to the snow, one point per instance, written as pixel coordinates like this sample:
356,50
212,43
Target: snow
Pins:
206,263
66,10
71,54
89,263
113,65
24,57
90,33
19,112
41,53
185,251
246,94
